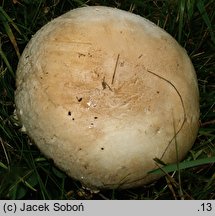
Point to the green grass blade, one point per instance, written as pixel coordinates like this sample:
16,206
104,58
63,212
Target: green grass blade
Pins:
3,56
5,19
9,20
3,165
28,185
181,18
190,8
202,10
183,165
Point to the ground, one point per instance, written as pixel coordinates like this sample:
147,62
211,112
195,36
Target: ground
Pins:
26,174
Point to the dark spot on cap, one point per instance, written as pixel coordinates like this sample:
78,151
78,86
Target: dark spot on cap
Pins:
79,99
69,113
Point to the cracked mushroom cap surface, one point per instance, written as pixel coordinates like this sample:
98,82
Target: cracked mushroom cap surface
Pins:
103,92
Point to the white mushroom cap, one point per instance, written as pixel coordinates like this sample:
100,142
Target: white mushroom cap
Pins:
103,92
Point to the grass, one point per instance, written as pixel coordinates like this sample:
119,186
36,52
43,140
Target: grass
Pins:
26,174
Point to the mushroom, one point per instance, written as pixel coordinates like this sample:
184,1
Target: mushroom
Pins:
103,92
